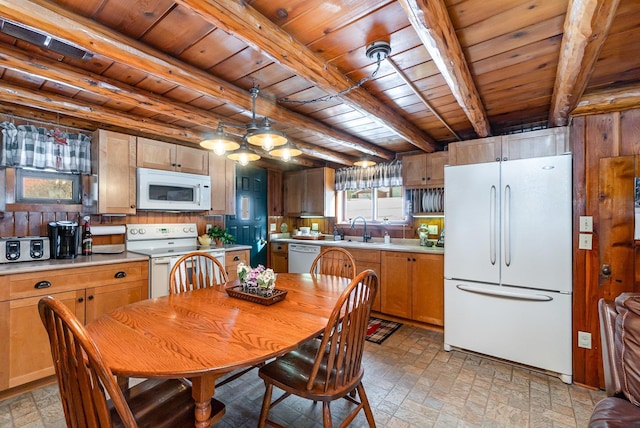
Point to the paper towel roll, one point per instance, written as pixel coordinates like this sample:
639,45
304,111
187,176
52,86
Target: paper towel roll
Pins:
108,230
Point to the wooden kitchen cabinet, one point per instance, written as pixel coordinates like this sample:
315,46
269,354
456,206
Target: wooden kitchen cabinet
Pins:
280,257
274,193
413,286
172,157
113,165
232,259
223,184
544,142
428,289
425,170
87,291
369,259
310,192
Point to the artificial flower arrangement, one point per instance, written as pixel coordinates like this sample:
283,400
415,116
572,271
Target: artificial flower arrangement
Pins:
259,280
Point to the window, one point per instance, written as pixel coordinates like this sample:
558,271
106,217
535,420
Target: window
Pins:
43,187
374,204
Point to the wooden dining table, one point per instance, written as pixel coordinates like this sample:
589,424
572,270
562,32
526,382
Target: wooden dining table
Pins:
204,334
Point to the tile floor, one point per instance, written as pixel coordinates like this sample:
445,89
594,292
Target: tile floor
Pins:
410,382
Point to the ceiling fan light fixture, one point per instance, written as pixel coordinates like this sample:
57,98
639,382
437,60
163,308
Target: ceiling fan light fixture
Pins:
220,142
364,163
286,152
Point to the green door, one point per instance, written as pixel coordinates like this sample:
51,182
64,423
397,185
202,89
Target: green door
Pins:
249,224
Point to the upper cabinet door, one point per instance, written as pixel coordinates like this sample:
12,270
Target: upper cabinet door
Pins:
172,157
475,151
156,154
535,144
114,158
414,171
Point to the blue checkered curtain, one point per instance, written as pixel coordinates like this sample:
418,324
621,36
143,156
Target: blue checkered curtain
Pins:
29,146
379,175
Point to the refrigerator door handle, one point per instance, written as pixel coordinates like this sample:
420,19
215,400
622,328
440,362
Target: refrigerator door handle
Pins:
492,225
507,294
507,225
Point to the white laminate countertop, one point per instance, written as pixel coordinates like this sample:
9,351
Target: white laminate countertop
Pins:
397,244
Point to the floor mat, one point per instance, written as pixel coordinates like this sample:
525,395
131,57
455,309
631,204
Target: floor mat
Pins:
379,330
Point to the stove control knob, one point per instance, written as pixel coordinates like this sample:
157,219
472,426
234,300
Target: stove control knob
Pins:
133,232
191,229
142,231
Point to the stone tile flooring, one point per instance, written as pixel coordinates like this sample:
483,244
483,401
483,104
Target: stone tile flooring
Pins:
410,382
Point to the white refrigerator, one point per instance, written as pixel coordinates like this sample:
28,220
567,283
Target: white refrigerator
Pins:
508,261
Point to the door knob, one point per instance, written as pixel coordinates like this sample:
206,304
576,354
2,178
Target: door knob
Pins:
606,271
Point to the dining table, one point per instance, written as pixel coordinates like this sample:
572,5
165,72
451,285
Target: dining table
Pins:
205,333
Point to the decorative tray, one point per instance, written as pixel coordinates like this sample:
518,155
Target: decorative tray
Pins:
236,291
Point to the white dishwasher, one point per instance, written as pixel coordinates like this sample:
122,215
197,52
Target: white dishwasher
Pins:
301,257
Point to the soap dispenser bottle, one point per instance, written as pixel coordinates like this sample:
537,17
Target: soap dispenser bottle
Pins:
387,238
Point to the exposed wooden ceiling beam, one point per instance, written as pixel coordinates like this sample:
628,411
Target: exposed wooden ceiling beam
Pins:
83,32
244,22
609,100
586,27
73,77
432,23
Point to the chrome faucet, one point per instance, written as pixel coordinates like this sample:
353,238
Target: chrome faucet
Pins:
365,237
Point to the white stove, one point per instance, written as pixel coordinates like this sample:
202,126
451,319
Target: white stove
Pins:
164,244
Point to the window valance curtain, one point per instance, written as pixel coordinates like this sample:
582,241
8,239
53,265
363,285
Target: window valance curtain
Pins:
29,146
380,175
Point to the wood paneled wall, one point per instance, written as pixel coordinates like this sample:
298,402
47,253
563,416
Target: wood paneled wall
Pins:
605,161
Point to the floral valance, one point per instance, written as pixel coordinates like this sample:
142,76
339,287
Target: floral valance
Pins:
29,146
379,175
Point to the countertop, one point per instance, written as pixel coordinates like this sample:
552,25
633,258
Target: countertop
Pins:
79,261
93,260
397,244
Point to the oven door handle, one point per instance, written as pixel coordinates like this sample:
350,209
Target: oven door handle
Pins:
161,260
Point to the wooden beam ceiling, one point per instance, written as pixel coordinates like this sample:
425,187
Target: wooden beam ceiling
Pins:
244,22
586,27
432,23
96,38
609,100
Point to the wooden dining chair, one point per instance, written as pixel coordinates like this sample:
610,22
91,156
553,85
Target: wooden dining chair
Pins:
331,367
196,270
85,379
334,261
200,270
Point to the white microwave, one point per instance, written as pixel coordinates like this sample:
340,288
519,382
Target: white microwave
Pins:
160,190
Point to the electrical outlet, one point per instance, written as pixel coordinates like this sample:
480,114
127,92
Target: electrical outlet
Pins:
272,227
314,226
207,227
586,223
585,242
433,229
584,339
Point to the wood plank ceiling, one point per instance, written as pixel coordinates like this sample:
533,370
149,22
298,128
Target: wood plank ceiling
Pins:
459,69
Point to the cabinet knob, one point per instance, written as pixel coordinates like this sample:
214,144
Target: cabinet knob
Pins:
120,274
497,159
42,284
80,299
505,158
413,260
132,206
90,297
236,258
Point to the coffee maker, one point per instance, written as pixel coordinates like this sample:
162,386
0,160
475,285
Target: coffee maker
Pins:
64,239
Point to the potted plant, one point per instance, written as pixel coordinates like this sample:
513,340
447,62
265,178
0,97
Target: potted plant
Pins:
220,235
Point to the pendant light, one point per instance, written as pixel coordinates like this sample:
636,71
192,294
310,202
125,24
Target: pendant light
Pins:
286,152
258,133
243,155
364,163
220,142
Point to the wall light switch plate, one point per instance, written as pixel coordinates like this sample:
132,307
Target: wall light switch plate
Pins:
585,242
433,229
586,223
584,340
207,227
314,226
272,227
